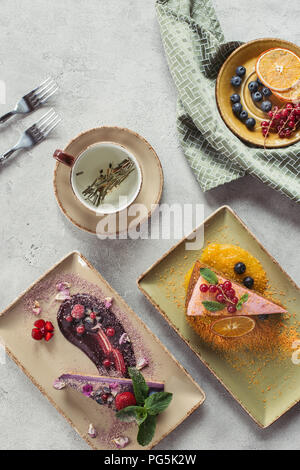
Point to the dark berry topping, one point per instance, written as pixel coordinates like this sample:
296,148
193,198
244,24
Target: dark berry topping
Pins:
240,268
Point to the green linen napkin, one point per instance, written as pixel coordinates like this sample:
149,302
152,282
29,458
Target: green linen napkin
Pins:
195,49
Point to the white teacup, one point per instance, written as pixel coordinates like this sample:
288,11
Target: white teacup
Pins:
86,168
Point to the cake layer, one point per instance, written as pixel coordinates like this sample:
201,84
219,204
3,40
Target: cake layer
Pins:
103,389
255,305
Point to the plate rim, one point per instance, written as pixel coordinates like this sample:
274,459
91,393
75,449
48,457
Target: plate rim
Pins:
135,134
217,92
132,313
165,255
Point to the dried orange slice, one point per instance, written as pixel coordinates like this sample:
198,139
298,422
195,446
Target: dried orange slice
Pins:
233,327
278,69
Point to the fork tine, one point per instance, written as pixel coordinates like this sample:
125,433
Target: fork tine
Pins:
48,122
48,93
43,84
52,127
47,115
45,88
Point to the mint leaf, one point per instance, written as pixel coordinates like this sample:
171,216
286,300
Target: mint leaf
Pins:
209,276
242,300
158,402
213,306
146,430
140,387
132,413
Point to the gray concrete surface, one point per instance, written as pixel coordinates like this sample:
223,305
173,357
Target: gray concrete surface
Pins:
109,61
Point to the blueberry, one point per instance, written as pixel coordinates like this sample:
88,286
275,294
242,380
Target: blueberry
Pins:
266,106
257,96
248,282
235,98
259,82
240,268
237,108
236,81
243,115
240,71
253,87
262,317
266,92
250,123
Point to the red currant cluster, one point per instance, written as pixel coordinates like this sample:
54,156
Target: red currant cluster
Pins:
224,294
282,121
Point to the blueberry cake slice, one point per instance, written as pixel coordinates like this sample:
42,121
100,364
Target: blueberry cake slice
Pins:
110,391
89,324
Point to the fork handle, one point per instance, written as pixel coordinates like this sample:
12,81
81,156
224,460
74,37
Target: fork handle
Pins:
6,116
7,154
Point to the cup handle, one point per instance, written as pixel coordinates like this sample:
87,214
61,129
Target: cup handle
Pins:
64,158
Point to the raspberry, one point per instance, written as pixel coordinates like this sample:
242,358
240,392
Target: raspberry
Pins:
93,315
125,399
39,324
37,334
78,311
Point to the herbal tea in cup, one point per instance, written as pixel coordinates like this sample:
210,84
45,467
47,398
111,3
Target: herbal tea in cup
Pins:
105,177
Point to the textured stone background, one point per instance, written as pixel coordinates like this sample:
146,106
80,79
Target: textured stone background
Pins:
108,59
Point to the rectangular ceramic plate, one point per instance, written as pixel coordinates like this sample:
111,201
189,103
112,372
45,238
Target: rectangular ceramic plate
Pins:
43,362
264,404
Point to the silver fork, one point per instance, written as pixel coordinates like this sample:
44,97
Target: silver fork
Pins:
33,99
34,134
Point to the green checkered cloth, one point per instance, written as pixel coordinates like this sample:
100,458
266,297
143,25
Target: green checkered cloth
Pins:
195,49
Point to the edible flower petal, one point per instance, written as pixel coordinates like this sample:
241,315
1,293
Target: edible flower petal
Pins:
121,442
92,431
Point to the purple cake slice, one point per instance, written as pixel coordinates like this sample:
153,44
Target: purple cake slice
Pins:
102,389
89,324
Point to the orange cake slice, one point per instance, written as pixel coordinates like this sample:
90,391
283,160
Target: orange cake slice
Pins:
200,303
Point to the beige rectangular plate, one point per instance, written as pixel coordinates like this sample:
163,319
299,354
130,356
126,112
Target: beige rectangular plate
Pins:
162,284
43,362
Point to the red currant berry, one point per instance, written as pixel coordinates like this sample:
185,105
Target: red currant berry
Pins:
231,309
69,318
264,124
270,114
291,124
204,288
288,133
289,106
104,397
80,329
106,363
213,289
227,285
230,293
234,300
285,113
265,132
281,134
220,298
110,331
